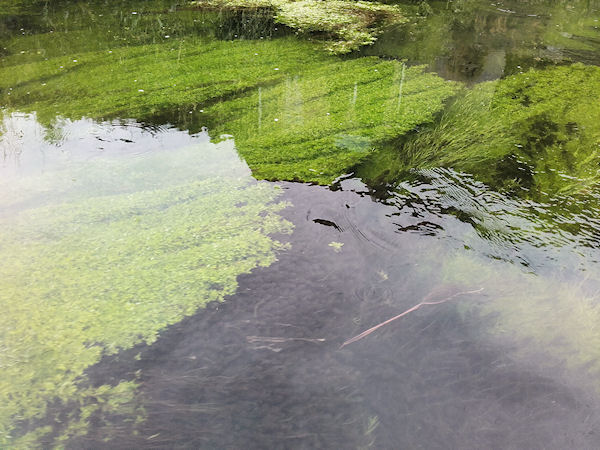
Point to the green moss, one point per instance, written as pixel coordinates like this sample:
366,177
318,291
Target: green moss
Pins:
350,24
93,273
533,134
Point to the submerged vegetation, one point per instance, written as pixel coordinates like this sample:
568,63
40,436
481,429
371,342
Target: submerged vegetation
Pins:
143,81
103,253
546,322
532,134
347,24
296,113
104,272
316,126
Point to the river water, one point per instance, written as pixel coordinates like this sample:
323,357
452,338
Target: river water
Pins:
159,293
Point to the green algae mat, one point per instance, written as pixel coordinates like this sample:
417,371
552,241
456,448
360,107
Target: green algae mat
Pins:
333,112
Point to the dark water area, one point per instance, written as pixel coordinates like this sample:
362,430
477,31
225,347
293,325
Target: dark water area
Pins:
158,293
265,369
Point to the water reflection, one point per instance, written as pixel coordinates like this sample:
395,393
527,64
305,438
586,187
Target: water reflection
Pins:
501,368
535,235
480,41
28,148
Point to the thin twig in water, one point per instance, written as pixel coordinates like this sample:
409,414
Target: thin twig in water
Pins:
280,340
408,311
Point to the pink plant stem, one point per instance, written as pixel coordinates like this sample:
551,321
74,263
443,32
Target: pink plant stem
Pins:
408,311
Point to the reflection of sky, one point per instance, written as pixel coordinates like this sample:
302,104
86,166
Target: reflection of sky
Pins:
541,284
84,158
27,148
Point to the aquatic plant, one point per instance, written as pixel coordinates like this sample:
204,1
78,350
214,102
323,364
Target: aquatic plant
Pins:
88,275
573,31
296,113
147,79
533,134
348,24
316,126
547,321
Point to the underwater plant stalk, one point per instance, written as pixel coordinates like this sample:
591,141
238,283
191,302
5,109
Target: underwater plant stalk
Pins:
414,308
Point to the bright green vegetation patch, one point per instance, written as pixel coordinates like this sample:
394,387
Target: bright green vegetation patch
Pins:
89,276
295,113
316,126
143,80
532,134
349,24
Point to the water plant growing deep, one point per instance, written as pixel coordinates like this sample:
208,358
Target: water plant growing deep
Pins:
112,260
312,224
530,134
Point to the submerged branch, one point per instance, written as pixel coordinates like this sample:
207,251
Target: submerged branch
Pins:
279,340
414,308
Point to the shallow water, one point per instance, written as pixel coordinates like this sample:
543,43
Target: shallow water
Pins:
158,294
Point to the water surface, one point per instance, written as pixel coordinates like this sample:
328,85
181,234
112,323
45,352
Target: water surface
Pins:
158,293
